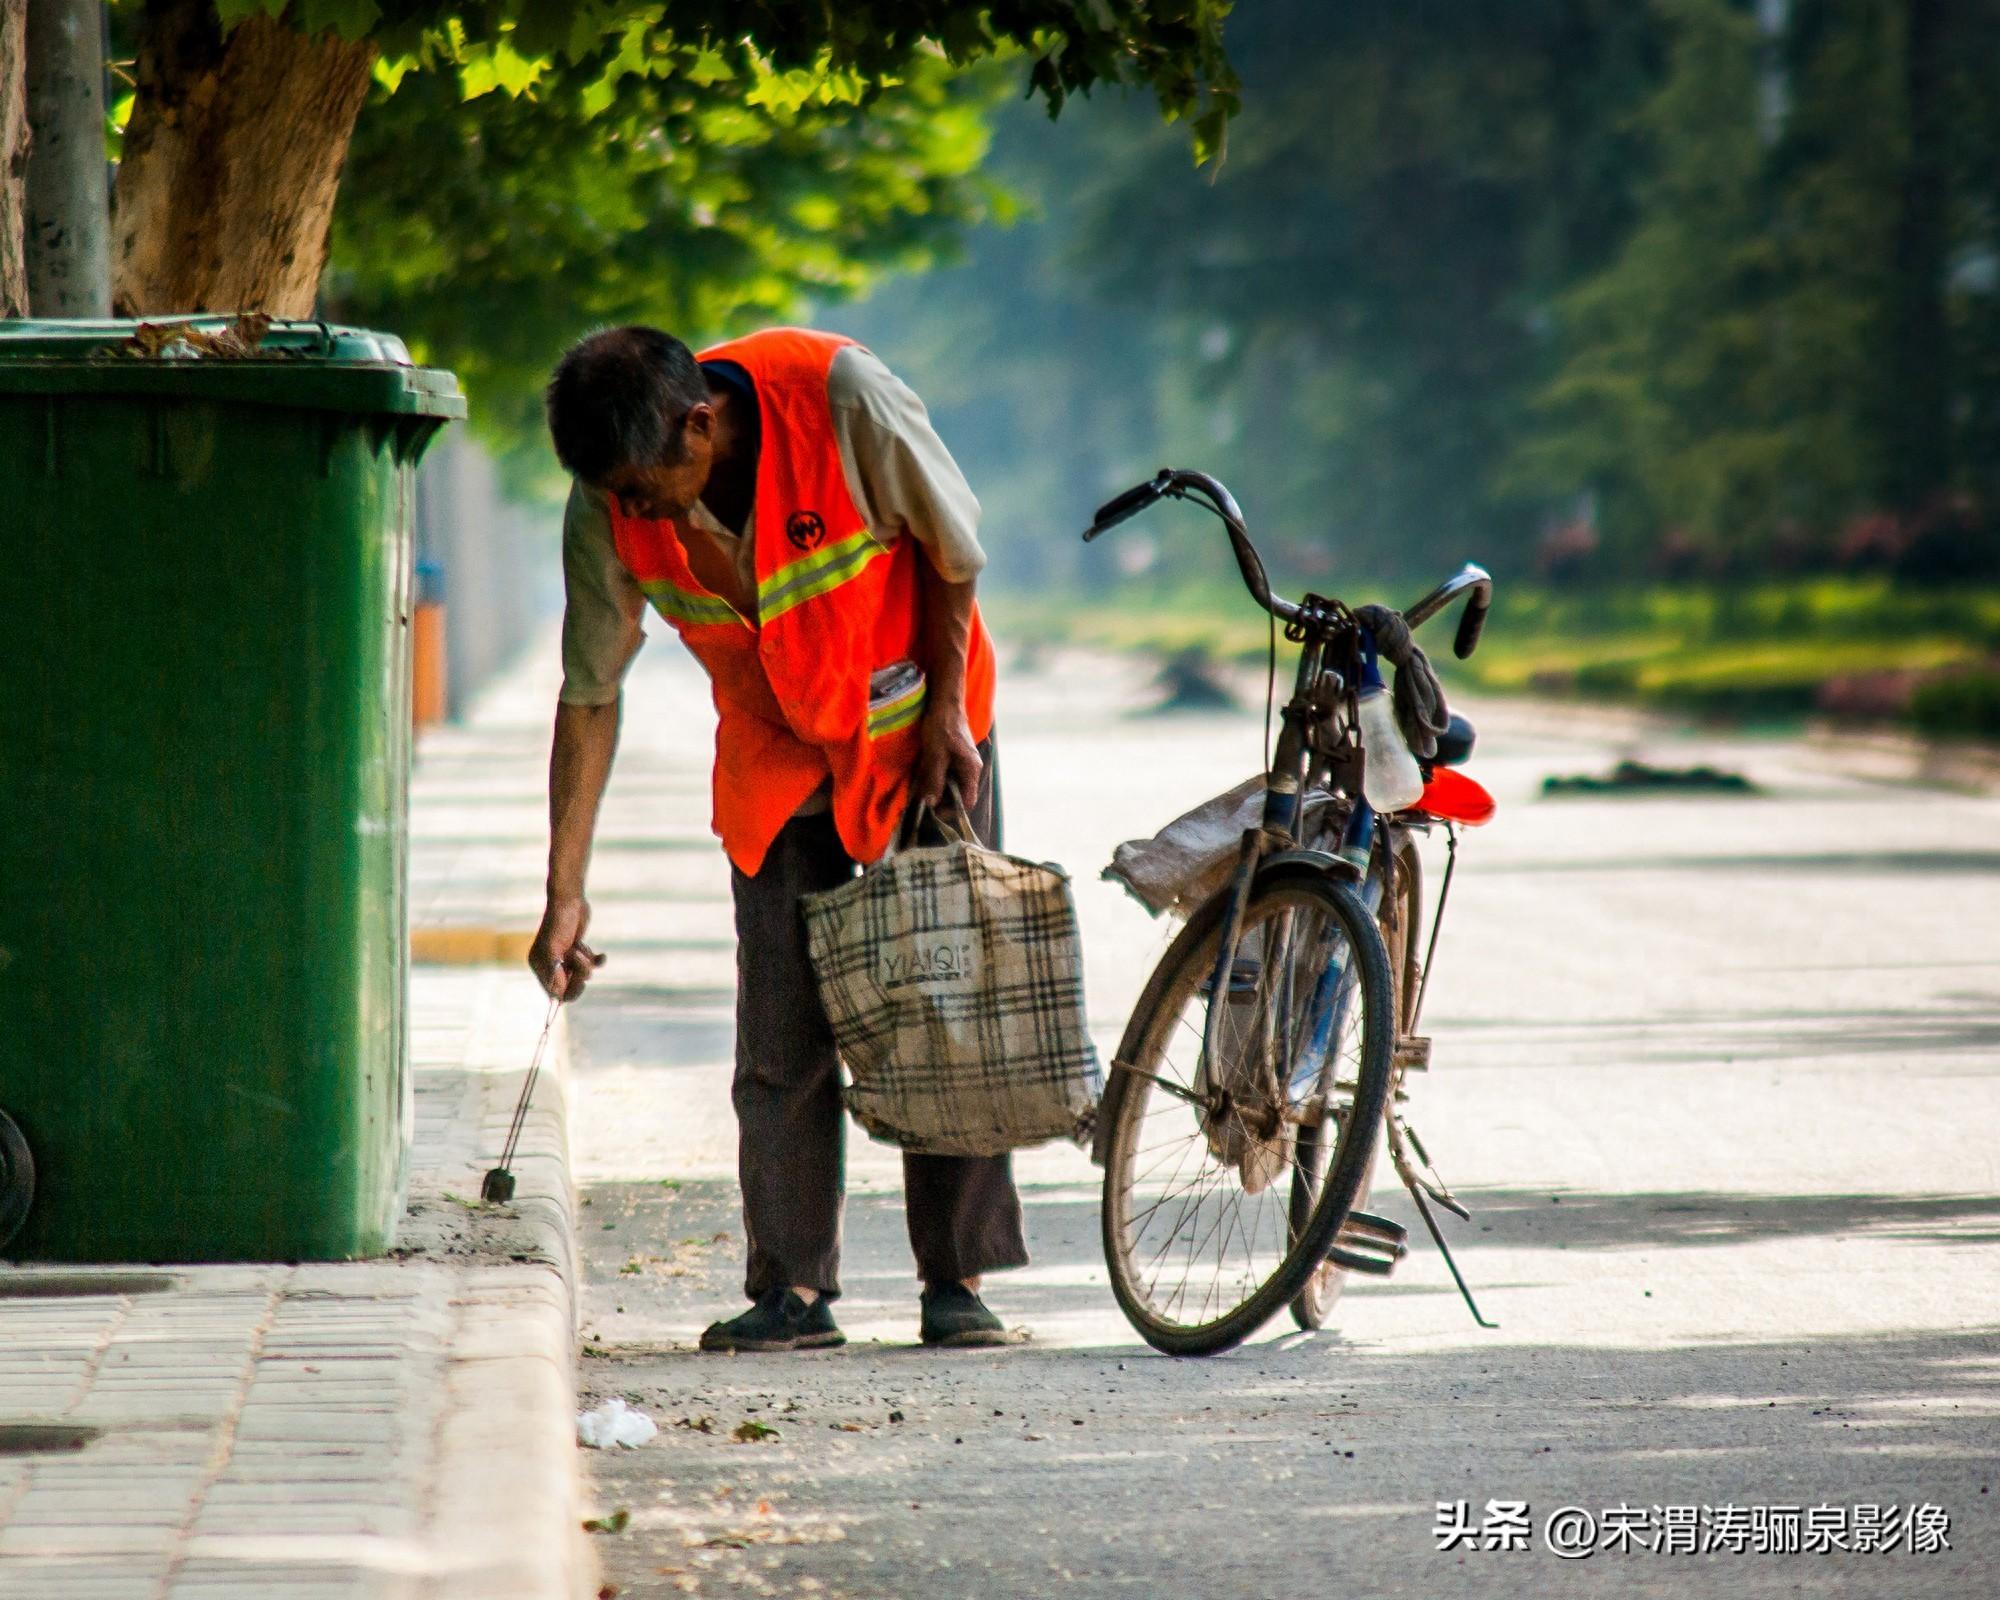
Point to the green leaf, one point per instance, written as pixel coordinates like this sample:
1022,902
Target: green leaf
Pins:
390,71
351,19
708,68
232,12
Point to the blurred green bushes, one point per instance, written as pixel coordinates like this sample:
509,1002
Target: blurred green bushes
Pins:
1858,650
1959,705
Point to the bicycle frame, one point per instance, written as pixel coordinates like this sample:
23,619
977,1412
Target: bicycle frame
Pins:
1319,732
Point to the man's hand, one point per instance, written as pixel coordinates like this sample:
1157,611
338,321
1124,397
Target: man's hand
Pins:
948,754
559,957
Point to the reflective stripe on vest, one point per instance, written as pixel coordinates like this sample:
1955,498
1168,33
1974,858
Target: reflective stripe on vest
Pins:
686,605
897,713
825,570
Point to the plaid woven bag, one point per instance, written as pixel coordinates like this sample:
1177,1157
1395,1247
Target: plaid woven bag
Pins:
953,977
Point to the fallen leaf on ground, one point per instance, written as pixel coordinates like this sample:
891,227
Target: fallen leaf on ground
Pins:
742,1538
617,1522
697,1424
751,1432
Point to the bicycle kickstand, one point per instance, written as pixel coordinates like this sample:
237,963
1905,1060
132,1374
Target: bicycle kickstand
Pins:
1423,1193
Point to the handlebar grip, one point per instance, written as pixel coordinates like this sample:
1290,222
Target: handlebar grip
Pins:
1472,621
1129,504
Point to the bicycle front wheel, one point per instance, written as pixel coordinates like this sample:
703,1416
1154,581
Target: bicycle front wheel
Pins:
1202,1233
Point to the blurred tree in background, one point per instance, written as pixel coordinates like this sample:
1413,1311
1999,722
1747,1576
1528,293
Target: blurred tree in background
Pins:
493,231
1775,371
1624,288
1587,287
235,137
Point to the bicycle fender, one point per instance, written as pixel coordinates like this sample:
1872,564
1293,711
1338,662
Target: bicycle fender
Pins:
1317,863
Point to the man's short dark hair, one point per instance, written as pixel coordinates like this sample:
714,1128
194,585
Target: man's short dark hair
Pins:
620,398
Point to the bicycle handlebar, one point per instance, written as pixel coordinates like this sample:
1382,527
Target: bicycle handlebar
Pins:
1127,505
1179,484
1468,577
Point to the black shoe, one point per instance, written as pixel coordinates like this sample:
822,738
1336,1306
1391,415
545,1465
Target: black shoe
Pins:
782,1320
954,1315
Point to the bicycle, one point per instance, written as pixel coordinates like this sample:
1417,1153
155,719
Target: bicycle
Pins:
1270,1044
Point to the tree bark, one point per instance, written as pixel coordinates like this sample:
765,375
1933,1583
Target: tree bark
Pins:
232,161
69,187
13,157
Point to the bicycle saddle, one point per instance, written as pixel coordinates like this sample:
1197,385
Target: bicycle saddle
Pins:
1455,743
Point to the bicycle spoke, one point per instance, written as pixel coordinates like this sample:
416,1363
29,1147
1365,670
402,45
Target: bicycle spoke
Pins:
1173,1089
1200,1195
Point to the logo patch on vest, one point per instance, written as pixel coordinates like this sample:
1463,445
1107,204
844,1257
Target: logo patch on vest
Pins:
806,530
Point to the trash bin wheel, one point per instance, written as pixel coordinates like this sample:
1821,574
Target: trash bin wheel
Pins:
17,1179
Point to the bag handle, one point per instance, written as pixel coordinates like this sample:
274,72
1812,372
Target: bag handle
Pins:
922,811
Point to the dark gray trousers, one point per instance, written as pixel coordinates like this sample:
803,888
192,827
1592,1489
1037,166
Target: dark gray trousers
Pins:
964,1213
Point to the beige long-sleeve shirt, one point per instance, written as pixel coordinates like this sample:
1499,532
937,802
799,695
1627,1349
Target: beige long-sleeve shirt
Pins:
903,481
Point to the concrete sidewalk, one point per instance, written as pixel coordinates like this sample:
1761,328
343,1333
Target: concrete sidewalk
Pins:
387,1428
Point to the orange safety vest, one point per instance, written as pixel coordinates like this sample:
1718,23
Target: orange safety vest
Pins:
833,604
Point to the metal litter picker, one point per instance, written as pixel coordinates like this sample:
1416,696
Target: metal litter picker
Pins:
499,1185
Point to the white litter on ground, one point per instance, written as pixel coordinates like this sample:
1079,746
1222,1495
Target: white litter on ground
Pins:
614,1423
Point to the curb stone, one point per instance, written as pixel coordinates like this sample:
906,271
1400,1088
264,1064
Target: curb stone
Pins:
507,1520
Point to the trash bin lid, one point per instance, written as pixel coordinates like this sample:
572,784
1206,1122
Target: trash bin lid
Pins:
315,366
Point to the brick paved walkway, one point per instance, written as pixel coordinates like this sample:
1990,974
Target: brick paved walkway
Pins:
366,1429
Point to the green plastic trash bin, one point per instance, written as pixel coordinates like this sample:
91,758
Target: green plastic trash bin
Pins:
204,766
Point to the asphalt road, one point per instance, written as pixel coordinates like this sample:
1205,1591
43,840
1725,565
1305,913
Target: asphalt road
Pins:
1719,1077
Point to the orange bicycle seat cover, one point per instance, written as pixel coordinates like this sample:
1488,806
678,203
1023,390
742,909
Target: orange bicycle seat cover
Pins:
1454,796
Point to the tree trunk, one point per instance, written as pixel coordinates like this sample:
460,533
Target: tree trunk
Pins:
232,161
1920,433
13,156
69,190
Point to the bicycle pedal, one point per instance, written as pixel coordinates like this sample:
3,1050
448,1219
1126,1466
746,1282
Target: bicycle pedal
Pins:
1378,1266
1369,1244
1381,1228
1413,1052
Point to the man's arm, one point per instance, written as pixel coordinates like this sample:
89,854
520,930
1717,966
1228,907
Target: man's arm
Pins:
907,485
579,768
601,633
947,751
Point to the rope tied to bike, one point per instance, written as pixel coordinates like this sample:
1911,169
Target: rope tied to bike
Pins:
1421,712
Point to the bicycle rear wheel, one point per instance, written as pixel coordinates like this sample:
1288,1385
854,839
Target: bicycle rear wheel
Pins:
1202,1234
